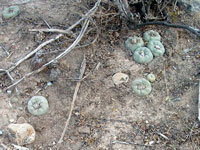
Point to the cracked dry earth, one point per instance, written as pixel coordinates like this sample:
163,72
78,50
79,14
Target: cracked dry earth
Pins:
105,117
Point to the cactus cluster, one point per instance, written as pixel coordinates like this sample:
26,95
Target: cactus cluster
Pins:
143,50
142,54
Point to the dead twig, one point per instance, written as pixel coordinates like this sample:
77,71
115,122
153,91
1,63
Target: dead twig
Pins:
50,30
12,80
17,147
4,146
7,53
33,52
162,135
83,66
46,23
163,23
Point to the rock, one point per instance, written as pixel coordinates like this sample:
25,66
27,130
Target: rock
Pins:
120,78
1,132
24,133
9,92
84,130
12,120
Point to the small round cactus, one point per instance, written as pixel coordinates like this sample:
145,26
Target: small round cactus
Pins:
141,87
151,77
132,43
156,48
142,55
11,12
151,35
38,105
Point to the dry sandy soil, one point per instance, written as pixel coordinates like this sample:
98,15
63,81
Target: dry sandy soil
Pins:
105,117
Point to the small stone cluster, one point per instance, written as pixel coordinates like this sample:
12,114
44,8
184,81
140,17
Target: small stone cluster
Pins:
144,54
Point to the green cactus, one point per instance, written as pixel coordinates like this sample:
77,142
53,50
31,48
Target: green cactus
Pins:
141,87
151,35
156,48
151,77
38,105
142,55
132,43
11,12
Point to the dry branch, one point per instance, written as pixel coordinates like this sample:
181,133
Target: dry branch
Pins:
88,14
83,29
50,30
85,25
33,52
83,66
163,23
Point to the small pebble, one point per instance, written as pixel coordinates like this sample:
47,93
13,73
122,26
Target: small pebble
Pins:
151,143
24,133
1,132
12,120
120,78
9,92
49,83
53,143
20,108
